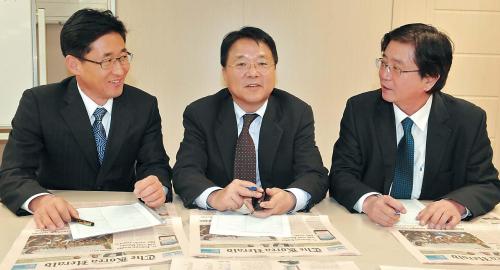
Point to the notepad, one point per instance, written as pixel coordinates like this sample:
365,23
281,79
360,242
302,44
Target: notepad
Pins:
413,207
113,219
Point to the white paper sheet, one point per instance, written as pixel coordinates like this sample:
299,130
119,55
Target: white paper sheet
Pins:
413,207
113,219
245,225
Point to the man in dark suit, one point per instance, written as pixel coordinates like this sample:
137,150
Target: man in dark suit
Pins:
443,154
279,157
88,132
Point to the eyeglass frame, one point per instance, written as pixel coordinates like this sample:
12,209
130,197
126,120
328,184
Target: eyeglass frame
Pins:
256,65
379,62
112,61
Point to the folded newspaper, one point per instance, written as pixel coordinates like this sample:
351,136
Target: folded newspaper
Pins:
475,242
42,249
312,235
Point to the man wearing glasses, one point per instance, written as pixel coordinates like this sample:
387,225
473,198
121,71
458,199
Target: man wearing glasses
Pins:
89,132
408,140
249,140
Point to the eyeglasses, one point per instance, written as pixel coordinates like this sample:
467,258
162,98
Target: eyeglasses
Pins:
107,63
262,67
393,70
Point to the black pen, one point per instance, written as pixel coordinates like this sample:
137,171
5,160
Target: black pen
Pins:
82,221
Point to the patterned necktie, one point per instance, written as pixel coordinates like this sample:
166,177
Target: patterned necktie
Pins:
245,157
402,184
99,133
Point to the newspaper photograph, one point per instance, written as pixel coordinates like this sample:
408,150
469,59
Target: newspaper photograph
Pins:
312,235
41,249
465,246
230,264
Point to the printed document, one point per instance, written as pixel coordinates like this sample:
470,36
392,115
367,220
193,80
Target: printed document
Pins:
113,219
413,207
245,225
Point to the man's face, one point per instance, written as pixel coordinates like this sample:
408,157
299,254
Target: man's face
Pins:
250,73
102,84
407,90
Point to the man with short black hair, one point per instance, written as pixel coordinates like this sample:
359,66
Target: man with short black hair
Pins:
91,131
249,140
408,140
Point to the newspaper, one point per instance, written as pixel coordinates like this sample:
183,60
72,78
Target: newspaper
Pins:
41,249
476,242
230,264
312,235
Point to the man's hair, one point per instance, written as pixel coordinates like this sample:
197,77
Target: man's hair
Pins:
253,33
86,26
433,50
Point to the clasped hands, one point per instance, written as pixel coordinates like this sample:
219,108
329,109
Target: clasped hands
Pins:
237,194
52,212
385,210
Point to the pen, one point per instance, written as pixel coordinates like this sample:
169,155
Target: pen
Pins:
254,188
82,221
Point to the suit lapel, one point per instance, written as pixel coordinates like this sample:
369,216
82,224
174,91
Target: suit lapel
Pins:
226,134
121,119
76,117
269,140
386,135
438,134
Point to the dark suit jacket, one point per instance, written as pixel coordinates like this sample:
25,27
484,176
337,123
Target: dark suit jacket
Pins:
288,156
51,145
458,159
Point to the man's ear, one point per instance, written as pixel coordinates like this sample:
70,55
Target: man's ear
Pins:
73,64
429,82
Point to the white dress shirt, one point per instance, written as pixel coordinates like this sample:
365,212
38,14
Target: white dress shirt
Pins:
419,132
302,197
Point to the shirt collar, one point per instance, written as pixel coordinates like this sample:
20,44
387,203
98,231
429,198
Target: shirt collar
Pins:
90,105
240,112
420,118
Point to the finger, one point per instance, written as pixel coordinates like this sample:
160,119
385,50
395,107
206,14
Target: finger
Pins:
245,192
394,204
55,216
248,204
424,216
38,221
262,213
158,194
72,211
436,216
452,222
441,223
47,222
63,214
155,204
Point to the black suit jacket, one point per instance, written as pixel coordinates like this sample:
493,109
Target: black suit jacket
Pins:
288,156
458,159
51,145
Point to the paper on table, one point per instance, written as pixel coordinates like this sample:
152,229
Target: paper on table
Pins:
413,207
112,219
245,225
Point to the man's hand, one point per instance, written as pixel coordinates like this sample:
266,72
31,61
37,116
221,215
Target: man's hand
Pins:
234,195
150,191
51,212
383,210
442,214
280,202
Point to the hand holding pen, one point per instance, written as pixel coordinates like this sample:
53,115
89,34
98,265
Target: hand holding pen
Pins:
383,209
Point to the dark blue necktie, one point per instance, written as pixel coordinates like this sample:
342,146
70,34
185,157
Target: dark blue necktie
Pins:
402,184
99,133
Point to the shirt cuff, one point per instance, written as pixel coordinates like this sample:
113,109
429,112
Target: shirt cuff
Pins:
165,189
201,201
302,198
359,204
466,214
27,202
